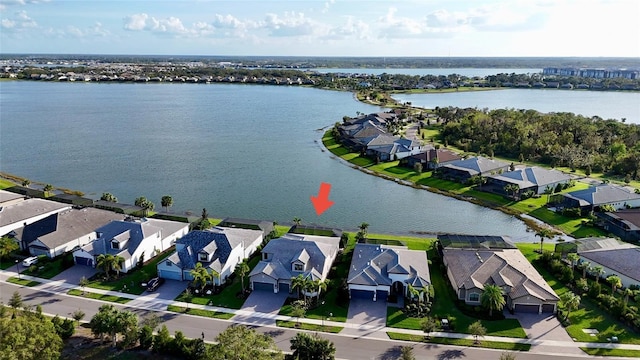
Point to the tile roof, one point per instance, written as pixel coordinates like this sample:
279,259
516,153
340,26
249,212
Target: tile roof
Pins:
477,165
371,265
603,194
622,261
532,176
503,267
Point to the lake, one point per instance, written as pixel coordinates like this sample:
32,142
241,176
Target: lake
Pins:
238,150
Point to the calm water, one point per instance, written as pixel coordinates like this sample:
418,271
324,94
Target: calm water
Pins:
469,72
245,151
606,104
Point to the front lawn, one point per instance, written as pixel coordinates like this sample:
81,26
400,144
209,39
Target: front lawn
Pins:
612,352
460,342
23,282
102,297
310,327
200,312
47,268
131,282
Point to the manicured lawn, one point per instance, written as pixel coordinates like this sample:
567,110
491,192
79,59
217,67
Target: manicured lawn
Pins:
102,297
200,312
310,327
612,352
23,282
51,267
460,342
134,278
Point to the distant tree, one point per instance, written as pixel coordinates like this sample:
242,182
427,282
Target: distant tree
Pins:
187,297
363,228
7,246
615,282
548,191
47,188
162,341
242,269
492,298
16,301
111,321
544,233
428,325
109,197
417,167
29,337
298,309
26,183
573,259
312,347
64,327
166,202
145,204
242,343
476,329
145,337
83,283
512,167
297,221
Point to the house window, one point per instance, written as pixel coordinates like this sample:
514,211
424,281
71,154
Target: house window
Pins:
168,263
474,297
203,256
265,256
298,267
115,244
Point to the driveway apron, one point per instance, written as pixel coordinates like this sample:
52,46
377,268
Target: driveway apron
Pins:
261,306
371,315
73,274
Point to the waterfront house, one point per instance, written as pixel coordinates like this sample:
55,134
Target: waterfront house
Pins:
19,212
623,223
387,147
592,198
133,240
292,255
463,170
431,158
534,179
378,271
266,227
219,249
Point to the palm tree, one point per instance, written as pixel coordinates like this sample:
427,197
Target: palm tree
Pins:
476,329
492,298
512,189
570,301
201,275
26,183
117,264
598,272
548,191
241,270
544,234
415,293
109,197
585,265
428,325
363,228
627,294
166,202
83,282
47,188
573,258
103,261
297,221
320,286
298,283
615,282
145,204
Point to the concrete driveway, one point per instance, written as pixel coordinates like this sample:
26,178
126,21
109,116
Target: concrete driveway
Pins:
163,294
543,327
73,274
371,315
261,306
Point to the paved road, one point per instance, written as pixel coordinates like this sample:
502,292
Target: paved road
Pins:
348,346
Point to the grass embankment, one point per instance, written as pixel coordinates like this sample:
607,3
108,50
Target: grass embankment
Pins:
535,207
96,296
460,342
200,312
445,90
612,352
589,315
23,282
310,327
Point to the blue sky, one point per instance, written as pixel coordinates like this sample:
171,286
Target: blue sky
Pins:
323,27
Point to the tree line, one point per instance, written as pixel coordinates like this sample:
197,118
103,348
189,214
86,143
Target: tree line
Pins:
556,139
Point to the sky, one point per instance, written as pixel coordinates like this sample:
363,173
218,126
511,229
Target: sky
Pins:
420,28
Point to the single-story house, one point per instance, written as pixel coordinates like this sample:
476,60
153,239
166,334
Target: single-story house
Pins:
22,213
64,231
8,198
431,159
463,170
592,198
589,244
389,147
534,179
292,255
378,271
265,226
622,262
469,270
623,223
219,249
461,241
131,239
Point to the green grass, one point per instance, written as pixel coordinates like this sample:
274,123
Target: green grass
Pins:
460,342
612,352
23,282
200,312
134,279
102,297
310,327
4,183
51,267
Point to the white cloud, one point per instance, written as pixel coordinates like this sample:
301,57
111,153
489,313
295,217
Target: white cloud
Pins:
291,24
396,27
351,28
136,22
327,5
19,22
144,22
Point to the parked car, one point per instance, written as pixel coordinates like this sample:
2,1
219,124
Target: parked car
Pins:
154,283
30,261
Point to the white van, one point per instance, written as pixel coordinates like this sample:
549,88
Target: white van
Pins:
29,261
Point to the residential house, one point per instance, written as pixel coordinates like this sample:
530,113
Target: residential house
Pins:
460,241
623,223
463,170
265,226
64,231
431,158
133,240
388,147
293,255
20,213
378,271
592,198
614,256
470,270
534,179
219,249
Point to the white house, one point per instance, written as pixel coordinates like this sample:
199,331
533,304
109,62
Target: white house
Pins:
132,240
621,260
219,249
378,271
22,213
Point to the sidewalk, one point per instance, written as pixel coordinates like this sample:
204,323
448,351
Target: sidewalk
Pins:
60,287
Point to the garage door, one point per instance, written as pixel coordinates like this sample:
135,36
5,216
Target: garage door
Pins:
260,286
84,261
381,295
522,308
362,294
547,308
172,275
283,288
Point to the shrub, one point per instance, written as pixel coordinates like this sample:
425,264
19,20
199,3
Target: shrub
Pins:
146,337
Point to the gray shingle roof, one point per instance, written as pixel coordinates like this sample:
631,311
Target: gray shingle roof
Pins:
472,268
532,176
603,194
27,209
371,265
622,261
75,223
475,241
477,165
133,231
7,196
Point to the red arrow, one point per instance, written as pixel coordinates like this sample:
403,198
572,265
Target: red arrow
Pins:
321,202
